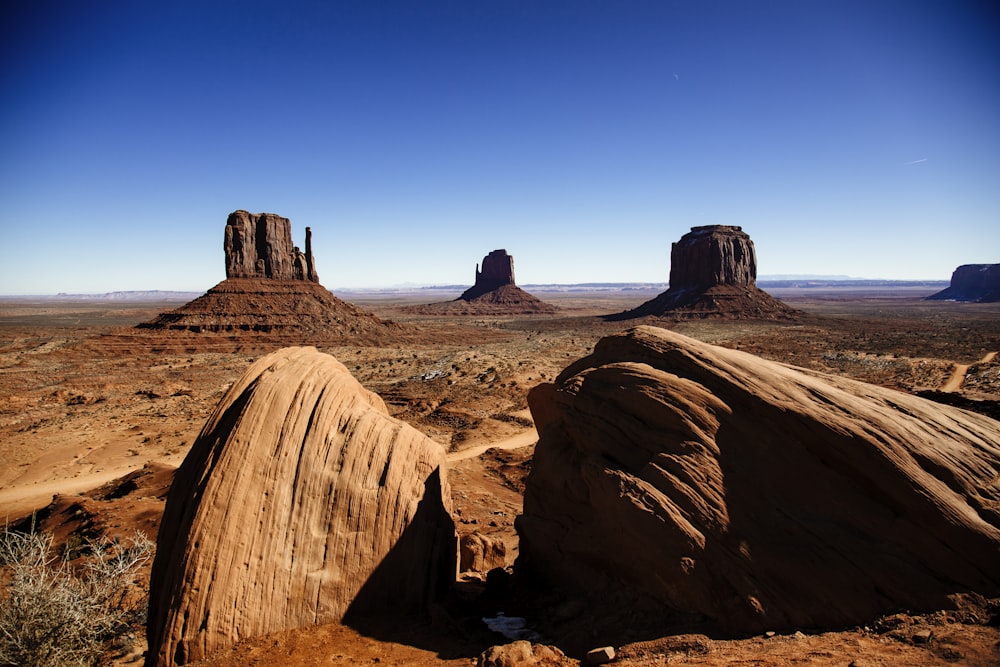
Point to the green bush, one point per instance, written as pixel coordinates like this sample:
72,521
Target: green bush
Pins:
52,613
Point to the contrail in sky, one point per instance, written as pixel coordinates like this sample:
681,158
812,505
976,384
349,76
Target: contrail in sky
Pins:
923,159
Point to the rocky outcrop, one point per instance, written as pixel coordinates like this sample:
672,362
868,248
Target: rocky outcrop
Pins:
493,294
972,282
301,501
713,273
498,270
282,309
272,288
259,245
753,495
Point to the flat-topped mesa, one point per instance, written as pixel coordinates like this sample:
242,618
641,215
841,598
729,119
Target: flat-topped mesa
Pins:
713,273
972,282
259,245
713,255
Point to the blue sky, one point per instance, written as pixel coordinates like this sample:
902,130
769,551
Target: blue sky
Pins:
846,137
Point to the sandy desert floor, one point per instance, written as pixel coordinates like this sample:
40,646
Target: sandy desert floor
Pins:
95,415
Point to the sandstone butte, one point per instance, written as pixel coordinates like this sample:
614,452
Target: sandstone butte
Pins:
713,273
972,282
493,293
748,495
300,502
271,287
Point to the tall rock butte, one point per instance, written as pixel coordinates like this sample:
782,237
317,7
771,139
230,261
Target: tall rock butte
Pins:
714,487
713,273
972,282
259,245
272,287
302,501
494,293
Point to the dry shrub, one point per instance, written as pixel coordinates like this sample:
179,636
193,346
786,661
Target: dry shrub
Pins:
55,613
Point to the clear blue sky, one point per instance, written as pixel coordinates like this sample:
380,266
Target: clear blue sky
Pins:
846,137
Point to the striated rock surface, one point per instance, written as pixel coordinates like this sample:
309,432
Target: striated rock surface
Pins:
752,495
972,282
266,306
713,273
259,245
301,501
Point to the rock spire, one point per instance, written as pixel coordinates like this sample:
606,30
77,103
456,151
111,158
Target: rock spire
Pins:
259,245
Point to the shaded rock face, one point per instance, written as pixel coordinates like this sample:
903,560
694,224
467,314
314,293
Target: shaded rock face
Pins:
493,294
713,255
753,495
259,245
713,273
972,282
498,271
301,502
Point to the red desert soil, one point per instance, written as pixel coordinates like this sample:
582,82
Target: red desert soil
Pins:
98,414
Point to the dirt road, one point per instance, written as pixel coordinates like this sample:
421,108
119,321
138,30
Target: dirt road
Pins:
954,383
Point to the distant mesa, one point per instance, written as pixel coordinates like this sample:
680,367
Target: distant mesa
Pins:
271,286
714,487
301,502
713,274
494,293
972,282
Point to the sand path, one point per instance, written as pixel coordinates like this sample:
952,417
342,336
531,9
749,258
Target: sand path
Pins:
954,383
522,439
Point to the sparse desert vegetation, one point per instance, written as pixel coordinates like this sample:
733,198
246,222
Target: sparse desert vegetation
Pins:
96,415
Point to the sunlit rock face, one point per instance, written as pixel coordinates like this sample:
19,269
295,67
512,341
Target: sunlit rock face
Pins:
750,495
259,245
713,274
301,502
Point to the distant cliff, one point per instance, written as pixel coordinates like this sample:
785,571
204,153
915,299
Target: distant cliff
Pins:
972,282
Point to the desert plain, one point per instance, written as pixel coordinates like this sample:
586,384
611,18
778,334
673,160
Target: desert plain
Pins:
96,414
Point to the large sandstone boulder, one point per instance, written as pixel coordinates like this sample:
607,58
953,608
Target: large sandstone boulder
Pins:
259,245
301,501
751,494
713,273
972,282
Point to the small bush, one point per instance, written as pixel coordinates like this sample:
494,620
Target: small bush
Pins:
52,613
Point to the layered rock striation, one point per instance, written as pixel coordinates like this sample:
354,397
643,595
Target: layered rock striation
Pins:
713,273
972,282
749,495
301,502
259,245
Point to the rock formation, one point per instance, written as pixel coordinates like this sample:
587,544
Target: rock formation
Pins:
753,495
713,273
301,501
271,287
498,270
494,293
972,282
259,245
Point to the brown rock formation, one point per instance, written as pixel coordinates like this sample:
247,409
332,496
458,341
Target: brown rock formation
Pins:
713,273
259,245
272,287
753,495
493,294
301,501
972,282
